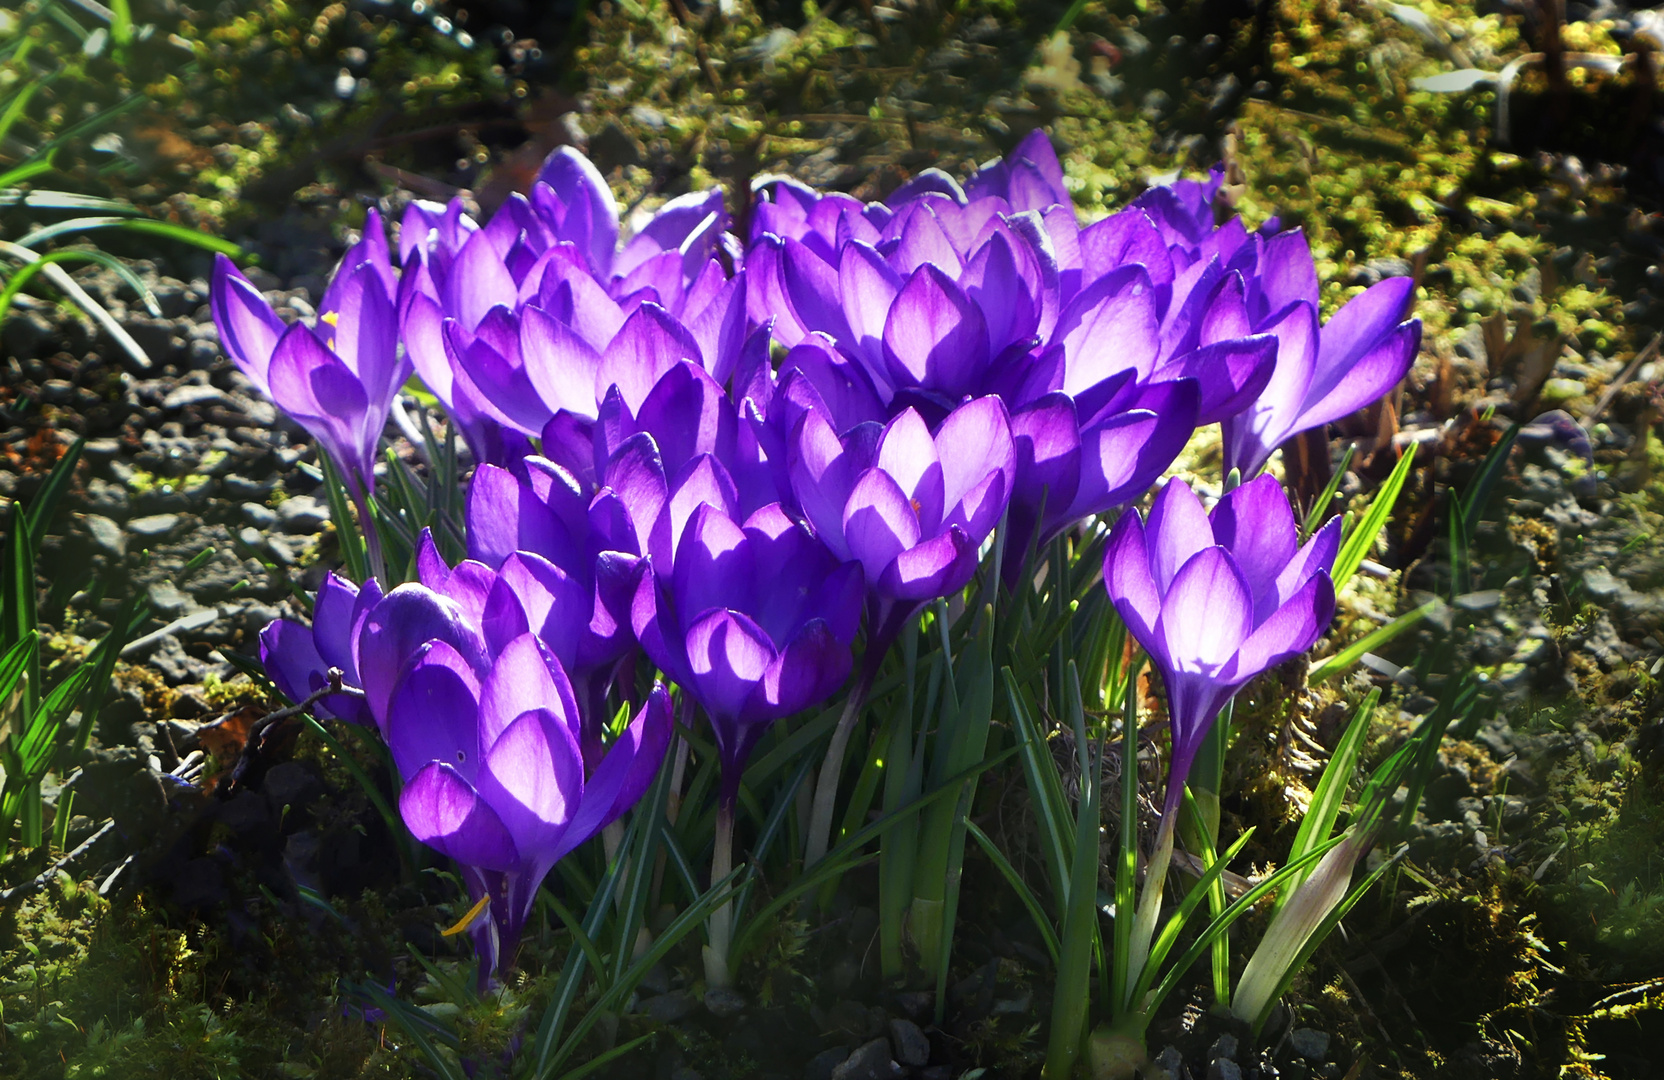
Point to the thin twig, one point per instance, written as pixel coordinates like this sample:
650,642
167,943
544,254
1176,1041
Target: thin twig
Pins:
40,880
258,729
1593,415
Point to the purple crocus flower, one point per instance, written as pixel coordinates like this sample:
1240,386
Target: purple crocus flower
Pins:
528,317
755,621
1217,599
337,379
1028,178
911,507
494,776
1359,355
298,658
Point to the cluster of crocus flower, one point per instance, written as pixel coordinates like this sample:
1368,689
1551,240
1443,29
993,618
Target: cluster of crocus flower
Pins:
722,455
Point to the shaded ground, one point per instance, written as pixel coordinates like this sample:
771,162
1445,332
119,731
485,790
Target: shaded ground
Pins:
1521,942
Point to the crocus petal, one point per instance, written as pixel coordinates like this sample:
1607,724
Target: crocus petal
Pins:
505,516
591,219
703,480
806,672
653,619
1123,454
556,604
879,522
979,465
248,327
1002,282
1286,273
714,565
1318,556
625,773
332,617
1130,585
812,284
936,567
1110,327
727,654
868,286
533,776
1254,523
1289,631
443,811
561,365
289,653
1362,380
478,282
1046,440
821,478
1206,612
935,336
1178,528
923,241
688,414
650,344
1231,374
434,713
396,628
636,474
909,454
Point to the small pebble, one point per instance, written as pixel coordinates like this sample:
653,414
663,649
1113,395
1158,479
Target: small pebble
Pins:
911,1044
107,535
1310,1043
302,514
153,527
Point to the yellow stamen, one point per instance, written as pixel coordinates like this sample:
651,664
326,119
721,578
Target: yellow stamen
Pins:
469,919
917,506
333,318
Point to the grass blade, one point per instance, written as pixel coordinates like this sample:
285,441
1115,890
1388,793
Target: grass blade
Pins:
1361,540
1319,821
1020,887
1314,518
1371,641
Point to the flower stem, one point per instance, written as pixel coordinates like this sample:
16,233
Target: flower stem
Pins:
826,787
1149,904
372,538
721,925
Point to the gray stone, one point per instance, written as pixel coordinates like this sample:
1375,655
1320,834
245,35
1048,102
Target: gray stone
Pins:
1310,1043
722,1002
186,396
258,515
912,1046
669,1008
103,497
24,333
1224,1069
107,535
302,514
153,527
154,336
280,549
166,597
1171,1062
1223,1047
656,981
821,1065
870,1061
